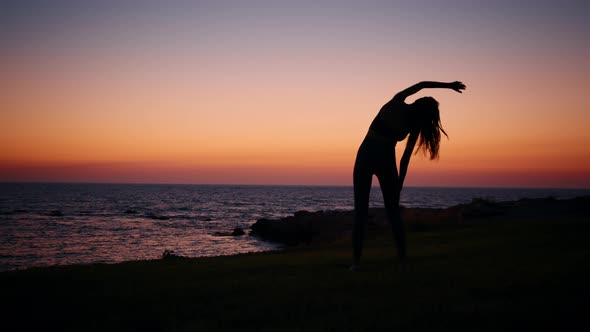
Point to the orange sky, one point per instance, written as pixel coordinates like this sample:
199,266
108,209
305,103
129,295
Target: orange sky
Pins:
285,95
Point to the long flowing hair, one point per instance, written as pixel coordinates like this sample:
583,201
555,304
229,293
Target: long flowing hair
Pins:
429,125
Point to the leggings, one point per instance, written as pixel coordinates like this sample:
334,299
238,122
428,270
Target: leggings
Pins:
376,158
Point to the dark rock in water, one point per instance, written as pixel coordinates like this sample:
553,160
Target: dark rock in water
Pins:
238,232
130,211
170,254
158,217
56,213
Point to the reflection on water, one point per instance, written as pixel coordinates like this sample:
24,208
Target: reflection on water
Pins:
43,241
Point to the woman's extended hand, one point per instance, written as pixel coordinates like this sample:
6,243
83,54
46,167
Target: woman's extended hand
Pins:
457,86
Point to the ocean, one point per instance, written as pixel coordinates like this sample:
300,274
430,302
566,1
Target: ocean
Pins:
58,223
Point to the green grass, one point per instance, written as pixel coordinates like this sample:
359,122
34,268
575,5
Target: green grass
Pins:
489,276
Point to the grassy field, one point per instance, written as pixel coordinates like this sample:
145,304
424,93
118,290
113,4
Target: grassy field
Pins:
491,275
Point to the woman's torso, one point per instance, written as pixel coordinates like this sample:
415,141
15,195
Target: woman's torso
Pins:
391,123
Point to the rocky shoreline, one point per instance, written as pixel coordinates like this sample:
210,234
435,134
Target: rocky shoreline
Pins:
306,227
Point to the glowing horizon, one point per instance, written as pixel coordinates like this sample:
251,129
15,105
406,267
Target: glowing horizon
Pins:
283,93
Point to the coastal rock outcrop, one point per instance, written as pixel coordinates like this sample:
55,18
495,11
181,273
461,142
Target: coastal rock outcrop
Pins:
306,227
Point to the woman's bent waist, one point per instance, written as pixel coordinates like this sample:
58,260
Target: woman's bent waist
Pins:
375,136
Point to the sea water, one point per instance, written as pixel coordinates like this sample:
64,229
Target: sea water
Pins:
55,224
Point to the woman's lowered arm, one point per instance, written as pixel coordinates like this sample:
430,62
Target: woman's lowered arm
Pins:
405,160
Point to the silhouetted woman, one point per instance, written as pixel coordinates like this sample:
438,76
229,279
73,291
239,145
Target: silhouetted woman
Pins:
376,156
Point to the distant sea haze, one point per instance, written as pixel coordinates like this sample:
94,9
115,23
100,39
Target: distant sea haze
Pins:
55,224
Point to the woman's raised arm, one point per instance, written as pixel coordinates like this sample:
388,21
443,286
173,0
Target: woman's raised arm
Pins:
402,95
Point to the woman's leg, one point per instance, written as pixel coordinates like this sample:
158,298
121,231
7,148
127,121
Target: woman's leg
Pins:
362,178
388,180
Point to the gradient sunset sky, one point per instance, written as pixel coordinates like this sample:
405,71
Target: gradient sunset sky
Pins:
282,92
